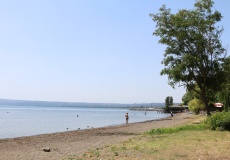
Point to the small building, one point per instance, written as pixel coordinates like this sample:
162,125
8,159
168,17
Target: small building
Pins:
178,108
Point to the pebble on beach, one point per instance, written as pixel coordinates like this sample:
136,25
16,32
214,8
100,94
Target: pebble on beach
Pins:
46,149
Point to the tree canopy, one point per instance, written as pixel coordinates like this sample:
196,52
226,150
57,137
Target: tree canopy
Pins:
168,102
224,95
194,52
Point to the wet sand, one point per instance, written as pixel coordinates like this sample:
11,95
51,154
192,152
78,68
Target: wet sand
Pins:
78,142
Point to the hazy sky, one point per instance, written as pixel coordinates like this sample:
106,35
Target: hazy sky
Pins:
86,50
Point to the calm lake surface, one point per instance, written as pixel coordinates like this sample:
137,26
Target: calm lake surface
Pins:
18,121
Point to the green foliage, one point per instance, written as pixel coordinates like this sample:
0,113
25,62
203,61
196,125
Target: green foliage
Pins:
224,95
196,105
219,121
188,96
168,102
191,127
194,53
191,94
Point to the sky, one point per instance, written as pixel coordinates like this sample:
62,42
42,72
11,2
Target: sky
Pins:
96,51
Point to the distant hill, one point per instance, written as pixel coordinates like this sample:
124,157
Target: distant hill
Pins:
9,102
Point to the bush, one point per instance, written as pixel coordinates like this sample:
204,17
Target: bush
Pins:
219,121
196,105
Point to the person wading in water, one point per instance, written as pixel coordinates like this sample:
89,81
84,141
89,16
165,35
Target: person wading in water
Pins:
127,117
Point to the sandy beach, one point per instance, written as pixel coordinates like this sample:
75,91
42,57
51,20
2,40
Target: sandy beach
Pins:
78,142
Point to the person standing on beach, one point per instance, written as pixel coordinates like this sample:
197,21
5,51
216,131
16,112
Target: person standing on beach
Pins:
127,117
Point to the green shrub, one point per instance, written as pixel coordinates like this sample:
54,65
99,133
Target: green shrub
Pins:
196,105
219,121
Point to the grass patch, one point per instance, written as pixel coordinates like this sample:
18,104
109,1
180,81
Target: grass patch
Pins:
178,143
186,142
184,145
191,127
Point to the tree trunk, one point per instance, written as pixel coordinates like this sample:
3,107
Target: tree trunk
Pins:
204,98
207,108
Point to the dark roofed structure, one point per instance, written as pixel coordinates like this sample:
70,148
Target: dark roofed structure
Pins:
178,108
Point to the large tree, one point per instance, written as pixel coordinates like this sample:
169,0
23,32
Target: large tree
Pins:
194,53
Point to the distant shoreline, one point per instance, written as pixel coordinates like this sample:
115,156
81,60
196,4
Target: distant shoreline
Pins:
10,102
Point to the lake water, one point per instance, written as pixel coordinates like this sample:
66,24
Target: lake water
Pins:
18,121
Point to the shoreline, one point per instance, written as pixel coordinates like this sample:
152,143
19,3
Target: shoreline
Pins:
78,142
86,129
63,119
